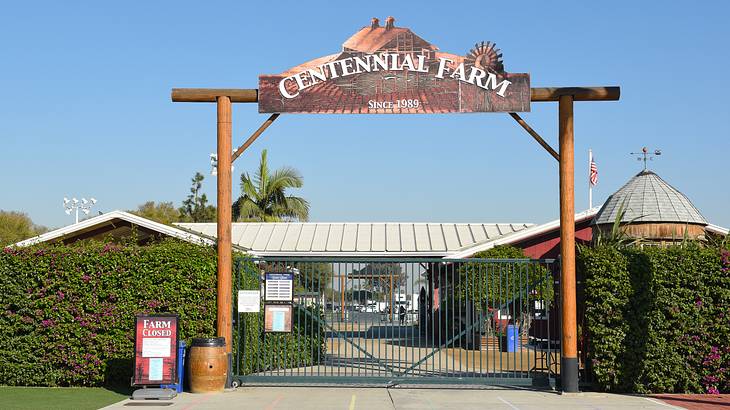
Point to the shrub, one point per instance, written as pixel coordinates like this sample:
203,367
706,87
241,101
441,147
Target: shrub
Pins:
658,318
69,309
512,279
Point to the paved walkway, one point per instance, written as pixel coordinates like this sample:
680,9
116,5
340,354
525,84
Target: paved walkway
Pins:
306,398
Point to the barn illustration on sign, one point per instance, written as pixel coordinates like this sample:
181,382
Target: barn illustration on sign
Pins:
391,70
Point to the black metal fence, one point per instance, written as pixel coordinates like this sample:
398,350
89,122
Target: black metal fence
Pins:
399,321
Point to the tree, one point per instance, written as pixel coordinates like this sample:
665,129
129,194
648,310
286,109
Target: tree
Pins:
163,212
264,197
195,207
384,278
16,226
496,284
310,276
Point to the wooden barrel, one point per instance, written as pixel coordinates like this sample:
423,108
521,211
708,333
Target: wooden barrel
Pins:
208,366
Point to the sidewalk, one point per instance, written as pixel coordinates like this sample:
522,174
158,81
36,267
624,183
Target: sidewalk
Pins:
316,398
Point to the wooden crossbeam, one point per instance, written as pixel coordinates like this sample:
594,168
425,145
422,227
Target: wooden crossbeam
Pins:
547,94
210,95
251,95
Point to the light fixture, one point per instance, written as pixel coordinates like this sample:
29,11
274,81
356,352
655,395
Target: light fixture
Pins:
213,164
74,205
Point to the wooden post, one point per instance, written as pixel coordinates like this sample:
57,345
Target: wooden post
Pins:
569,341
224,221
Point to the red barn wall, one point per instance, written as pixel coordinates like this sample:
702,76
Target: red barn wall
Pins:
547,245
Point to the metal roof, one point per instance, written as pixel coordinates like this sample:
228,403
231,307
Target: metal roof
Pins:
358,239
528,233
113,224
648,198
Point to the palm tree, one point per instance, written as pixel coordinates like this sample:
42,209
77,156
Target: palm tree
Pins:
264,198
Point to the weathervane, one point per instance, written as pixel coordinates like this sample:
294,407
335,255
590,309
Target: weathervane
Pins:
646,155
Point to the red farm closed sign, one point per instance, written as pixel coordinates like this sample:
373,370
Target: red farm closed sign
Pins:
155,350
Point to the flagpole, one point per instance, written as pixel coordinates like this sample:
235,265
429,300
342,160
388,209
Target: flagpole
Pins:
590,186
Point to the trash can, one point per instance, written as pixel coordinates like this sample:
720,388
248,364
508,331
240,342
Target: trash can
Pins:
513,338
180,369
208,365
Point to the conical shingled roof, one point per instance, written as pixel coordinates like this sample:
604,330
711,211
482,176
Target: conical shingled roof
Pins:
648,198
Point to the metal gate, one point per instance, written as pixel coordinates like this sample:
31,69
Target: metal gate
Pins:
404,321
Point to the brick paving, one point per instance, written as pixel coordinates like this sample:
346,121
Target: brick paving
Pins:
696,401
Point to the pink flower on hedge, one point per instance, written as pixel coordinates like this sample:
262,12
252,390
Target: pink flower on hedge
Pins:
698,302
712,390
153,304
711,379
86,278
60,295
48,323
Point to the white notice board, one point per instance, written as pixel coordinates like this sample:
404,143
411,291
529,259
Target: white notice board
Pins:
279,286
249,301
156,347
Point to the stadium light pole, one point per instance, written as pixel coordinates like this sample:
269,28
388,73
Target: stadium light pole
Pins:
74,205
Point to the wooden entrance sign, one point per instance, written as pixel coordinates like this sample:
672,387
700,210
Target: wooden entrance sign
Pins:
375,76
391,70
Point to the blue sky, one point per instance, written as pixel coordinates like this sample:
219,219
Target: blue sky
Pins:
86,108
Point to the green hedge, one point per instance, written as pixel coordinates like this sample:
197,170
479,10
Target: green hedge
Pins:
69,310
658,319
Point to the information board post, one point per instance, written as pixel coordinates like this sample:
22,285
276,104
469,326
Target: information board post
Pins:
279,295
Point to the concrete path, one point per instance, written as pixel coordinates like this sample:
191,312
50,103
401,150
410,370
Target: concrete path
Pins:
316,398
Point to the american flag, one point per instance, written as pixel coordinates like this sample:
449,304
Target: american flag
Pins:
593,175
